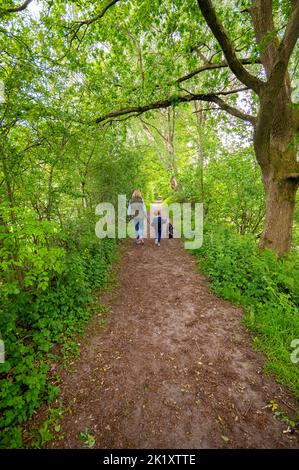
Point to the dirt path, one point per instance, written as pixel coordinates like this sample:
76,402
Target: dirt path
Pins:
173,368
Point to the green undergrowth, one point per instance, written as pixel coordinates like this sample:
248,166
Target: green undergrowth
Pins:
49,430
266,287
41,326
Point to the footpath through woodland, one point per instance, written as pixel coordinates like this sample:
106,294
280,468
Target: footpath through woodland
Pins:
172,368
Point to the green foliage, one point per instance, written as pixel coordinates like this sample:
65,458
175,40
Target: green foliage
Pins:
233,191
57,164
49,429
24,247
87,438
268,288
34,320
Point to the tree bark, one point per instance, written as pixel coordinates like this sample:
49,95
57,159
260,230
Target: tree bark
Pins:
280,206
276,154
200,163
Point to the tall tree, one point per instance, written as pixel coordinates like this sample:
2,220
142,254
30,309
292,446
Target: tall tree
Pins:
276,123
277,120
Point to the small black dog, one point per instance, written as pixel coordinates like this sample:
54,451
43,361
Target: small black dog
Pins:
170,230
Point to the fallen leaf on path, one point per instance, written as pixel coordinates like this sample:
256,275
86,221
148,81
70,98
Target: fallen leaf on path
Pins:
273,405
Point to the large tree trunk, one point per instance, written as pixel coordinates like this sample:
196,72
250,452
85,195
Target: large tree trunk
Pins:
276,154
280,205
277,160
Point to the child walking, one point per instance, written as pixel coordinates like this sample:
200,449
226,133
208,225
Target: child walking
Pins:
157,224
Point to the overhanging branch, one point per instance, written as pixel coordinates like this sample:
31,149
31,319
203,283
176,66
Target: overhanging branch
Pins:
99,16
234,111
211,67
5,11
209,97
77,25
226,45
285,49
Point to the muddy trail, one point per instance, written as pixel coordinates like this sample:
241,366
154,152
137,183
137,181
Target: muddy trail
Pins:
172,368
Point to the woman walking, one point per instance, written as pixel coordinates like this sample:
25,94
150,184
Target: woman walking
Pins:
137,210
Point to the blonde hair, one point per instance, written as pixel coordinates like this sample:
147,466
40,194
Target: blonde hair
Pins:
136,194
